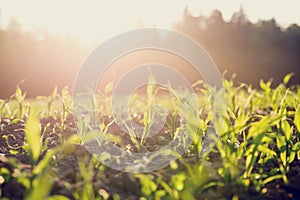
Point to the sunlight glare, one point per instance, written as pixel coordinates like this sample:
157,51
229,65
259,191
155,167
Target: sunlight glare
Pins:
93,21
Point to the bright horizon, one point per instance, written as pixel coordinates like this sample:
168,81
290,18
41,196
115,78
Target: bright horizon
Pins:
94,21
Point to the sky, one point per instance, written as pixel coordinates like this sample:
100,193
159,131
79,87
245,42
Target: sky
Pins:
91,21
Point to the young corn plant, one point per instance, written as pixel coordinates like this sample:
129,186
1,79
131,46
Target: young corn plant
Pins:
38,181
87,172
51,101
230,152
260,134
189,183
287,147
19,96
148,114
4,108
66,106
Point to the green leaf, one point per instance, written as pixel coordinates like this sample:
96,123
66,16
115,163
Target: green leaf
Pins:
178,181
44,163
280,141
108,88
5,173
148,186
13,152
150,89
159,194
18,91
286,128
42,186
146,119
287,78
266,150
265,86
54,93
272,178
274,171
174,165
297,118
33,136
187,194
295,149
281,145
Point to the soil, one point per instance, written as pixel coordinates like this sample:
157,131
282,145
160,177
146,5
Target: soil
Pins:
105,179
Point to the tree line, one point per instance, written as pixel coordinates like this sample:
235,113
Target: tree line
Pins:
253,51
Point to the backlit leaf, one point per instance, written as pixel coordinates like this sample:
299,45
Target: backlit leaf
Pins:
108,88
265,86
287,78
295,149
54,93
266,150
272,178
286,128
33,136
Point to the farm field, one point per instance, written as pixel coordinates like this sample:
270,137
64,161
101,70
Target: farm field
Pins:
255,155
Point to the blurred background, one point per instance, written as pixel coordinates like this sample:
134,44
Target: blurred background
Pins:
45,42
